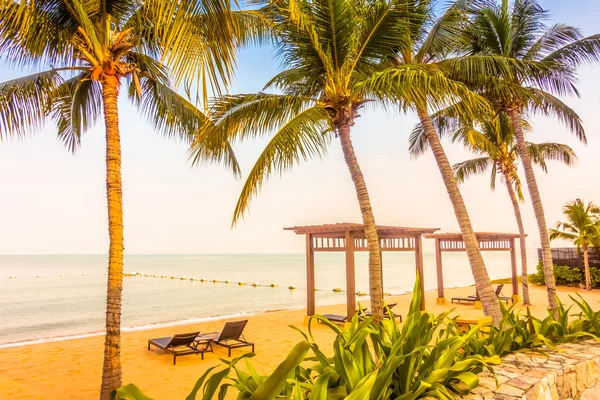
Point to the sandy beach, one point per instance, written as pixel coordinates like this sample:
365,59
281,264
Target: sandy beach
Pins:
71,369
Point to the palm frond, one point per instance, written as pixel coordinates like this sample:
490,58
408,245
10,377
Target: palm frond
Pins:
25,102
251,115
553,39
541,152
76,108
466,169
169,112
544,103
421,84
574,54
36,33
302,138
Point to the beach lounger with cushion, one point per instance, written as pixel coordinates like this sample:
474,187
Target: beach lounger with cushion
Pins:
338,318
181,345
474,298
470,299
499,294
385,312
232,336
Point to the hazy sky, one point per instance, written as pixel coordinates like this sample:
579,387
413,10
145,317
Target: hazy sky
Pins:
53,202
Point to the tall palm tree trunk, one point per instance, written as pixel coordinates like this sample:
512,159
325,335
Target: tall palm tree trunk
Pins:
586,264
486,293
537,208
111,369
375,272
522,236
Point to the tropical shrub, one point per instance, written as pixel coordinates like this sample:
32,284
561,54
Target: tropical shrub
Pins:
426,356
563,274
595,276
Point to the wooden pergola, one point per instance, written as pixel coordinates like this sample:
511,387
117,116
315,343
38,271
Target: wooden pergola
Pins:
349,237
488,241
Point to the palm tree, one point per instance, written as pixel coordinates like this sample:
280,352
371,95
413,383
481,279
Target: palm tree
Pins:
582,228
493,141
84,52
329,49
519,32
428,59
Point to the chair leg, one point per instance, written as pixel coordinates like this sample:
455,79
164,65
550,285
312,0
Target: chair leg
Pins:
174,359
229,352
148,345
253,348
202,355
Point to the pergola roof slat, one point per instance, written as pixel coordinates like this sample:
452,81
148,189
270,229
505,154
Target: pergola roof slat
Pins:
340,229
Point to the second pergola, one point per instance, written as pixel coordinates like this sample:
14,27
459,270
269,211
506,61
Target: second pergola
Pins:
488,241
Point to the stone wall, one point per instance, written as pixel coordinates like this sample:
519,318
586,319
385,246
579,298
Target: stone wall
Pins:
572,371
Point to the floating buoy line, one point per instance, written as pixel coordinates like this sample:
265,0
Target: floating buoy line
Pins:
228,281
215,281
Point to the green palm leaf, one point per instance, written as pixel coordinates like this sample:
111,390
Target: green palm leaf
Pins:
25,102
302,138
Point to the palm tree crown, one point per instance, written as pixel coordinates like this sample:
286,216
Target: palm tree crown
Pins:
83,52
582,228
518,31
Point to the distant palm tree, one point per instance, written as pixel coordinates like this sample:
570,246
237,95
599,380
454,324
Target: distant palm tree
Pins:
99,46
493,140
329,49
582,228
519,32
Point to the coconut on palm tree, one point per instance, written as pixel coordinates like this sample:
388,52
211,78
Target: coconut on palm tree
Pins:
519,31
85,53
493,141
582,228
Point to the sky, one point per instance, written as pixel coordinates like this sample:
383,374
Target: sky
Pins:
54,202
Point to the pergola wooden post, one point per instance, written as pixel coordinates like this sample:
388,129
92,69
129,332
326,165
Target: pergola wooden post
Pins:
349,238
488,241
350,275
310,276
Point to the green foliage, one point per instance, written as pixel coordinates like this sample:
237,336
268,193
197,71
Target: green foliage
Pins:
427,356
563,274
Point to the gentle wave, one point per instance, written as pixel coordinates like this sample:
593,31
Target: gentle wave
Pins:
134,328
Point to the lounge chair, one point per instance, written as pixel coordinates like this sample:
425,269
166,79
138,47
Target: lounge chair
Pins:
474,298
181,345
338,318
387,315
231,336
499,294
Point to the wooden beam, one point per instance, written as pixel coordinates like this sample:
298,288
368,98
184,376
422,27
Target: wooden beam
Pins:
419,265
439,269
310,276
350,278
513,266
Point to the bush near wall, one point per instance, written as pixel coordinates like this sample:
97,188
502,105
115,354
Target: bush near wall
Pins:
566,276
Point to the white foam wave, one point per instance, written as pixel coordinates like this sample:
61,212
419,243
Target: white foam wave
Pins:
133,328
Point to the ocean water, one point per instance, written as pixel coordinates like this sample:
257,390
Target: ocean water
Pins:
53,307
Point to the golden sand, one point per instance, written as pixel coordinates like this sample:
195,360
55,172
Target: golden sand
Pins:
71,369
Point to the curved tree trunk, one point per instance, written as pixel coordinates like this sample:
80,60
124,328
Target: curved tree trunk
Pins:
522,236
375,272
111,369
586,263
486,293
537,208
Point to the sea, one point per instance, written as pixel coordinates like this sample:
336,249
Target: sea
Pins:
59,297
